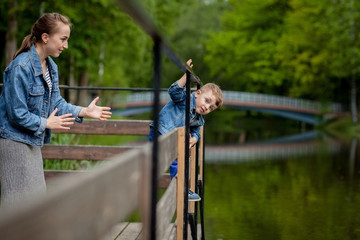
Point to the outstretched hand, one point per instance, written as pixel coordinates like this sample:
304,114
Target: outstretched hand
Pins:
96,112
59,122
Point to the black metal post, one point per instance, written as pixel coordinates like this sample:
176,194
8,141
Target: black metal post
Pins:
197,188
187,153
157,61
201,190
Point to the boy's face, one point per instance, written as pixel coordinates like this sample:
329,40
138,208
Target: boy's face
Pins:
205,102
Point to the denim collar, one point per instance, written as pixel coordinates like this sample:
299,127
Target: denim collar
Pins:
193,103
36,64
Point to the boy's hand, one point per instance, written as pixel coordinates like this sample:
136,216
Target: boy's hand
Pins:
189,63
182,81
193,141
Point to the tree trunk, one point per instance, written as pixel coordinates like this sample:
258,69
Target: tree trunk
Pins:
353,105
10,45
353,101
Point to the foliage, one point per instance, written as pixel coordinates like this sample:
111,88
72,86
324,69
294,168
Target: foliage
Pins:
284,47
241,55
288,47
188,39
317,49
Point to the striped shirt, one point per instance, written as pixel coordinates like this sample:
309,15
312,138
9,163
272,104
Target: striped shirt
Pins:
48,79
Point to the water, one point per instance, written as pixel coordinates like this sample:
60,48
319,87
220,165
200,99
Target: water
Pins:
314,196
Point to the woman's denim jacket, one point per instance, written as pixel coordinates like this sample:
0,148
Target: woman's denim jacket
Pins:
173,113
25,102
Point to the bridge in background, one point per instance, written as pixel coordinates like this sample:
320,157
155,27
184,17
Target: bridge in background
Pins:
311,112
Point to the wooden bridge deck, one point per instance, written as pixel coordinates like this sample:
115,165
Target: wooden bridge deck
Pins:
132,231
93,204
124,231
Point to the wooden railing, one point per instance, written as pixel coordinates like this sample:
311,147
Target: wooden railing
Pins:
88,205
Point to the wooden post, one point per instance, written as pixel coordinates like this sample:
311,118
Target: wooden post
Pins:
201,154
192,178
145,192
180,184
201,178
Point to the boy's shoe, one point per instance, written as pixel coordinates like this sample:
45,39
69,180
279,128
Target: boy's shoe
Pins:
193,197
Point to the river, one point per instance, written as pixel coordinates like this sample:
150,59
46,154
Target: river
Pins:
312,196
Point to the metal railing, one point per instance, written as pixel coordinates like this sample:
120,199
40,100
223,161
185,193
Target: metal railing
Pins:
247,97
133,8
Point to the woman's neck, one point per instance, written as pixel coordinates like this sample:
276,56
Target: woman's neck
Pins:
41,52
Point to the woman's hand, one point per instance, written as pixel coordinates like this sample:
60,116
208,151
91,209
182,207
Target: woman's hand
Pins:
59,122
96,112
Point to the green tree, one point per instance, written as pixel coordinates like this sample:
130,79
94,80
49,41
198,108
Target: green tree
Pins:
241,54
192,29
316,48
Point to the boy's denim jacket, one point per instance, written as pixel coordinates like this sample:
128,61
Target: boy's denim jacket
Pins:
173,113
25,102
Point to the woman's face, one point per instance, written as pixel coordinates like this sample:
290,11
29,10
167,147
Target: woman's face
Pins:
58,41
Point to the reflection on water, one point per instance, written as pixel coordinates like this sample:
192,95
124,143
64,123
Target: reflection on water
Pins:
279,148
311,196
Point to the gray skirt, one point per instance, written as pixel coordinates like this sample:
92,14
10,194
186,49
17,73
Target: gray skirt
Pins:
22,173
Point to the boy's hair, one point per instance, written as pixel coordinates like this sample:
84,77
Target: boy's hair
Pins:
216,91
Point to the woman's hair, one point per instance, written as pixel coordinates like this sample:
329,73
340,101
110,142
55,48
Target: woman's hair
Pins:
47,23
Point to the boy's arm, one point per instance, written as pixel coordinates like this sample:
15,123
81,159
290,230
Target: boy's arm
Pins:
194,134
182,81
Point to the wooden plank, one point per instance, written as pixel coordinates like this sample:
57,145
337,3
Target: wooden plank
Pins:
180,184
109,127
201,155
164,180
115,231
192,172
82,152
82,207
165,210
171,232
167,153
167,150
131,232
145,192
53,174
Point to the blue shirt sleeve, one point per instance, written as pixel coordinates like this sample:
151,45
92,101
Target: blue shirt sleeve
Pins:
176,93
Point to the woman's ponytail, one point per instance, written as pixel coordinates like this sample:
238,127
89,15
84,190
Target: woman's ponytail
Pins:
25,45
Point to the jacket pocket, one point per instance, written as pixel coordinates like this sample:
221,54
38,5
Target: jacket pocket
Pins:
36,97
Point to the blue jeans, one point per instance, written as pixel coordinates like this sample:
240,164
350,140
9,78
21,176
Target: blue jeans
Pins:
173,166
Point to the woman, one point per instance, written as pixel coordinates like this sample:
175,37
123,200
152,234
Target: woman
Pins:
31,105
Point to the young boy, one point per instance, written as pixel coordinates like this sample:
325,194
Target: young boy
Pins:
205,100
